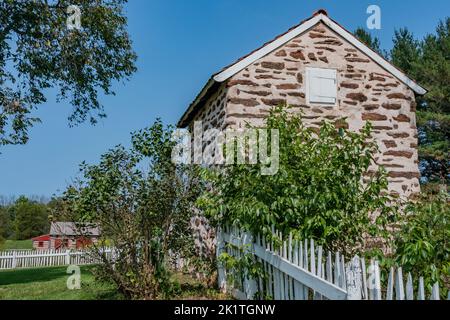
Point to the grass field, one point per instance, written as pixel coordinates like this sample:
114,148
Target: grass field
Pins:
50,284
16,244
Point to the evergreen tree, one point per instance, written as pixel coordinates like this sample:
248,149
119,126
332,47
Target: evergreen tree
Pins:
406,51
372,42
428,62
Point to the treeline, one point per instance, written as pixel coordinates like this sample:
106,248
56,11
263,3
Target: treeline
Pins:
24,218
427,61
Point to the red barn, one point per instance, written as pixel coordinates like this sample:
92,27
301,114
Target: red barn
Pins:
66,235
41,242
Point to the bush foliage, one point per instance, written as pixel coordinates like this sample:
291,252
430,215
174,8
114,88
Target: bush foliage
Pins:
325,189
423,242
142,203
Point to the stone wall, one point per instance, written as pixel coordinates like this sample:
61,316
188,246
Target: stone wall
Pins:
213,112
366,92
212,116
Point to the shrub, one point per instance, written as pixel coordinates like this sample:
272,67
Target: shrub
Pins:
422,244
324,189
142,203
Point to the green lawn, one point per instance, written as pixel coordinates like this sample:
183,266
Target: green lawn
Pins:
50,284
17,244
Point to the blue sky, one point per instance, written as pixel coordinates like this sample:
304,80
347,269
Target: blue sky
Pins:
179,45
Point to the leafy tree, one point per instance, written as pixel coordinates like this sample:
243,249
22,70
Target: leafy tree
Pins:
38,52
30,219
143,203
5,223
372,42
318,192
422,245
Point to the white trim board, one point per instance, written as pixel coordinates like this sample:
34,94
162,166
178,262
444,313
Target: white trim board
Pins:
235,68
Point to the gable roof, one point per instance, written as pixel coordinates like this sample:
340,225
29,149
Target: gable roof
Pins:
72,229
320,16
41,238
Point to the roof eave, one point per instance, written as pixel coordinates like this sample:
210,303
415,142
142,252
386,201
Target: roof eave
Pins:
182,123
233,69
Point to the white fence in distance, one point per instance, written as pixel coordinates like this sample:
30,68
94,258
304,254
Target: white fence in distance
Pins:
301,270
47,258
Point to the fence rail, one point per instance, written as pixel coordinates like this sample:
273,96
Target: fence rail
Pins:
47,258
301,270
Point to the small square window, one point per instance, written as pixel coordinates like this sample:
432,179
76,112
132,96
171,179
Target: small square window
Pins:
321,86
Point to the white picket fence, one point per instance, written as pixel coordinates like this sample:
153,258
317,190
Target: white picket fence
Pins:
47,258
300,270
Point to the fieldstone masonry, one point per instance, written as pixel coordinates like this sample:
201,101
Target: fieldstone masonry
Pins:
366,92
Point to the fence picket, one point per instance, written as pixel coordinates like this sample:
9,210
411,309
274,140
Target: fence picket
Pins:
295,257
300,258
354,280
305,256
364,279
435,292
377,281
337,273
319,261
298,291
409,287
312,250
343,276
276,284
46,258
290,247
399,289
375,290
390,288
305,266
329,268
285,286
292,272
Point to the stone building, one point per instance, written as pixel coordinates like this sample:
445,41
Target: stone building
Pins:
322,69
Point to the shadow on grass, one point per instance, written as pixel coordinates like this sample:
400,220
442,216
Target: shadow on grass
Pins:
19,276
109,295
31,275
188,288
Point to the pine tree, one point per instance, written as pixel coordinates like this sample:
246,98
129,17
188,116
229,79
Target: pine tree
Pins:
405,53
434,109
372,42
428,61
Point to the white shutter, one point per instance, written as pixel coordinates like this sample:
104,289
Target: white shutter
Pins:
322,85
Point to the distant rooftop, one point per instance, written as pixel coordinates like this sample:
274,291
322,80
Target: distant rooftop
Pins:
72,229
